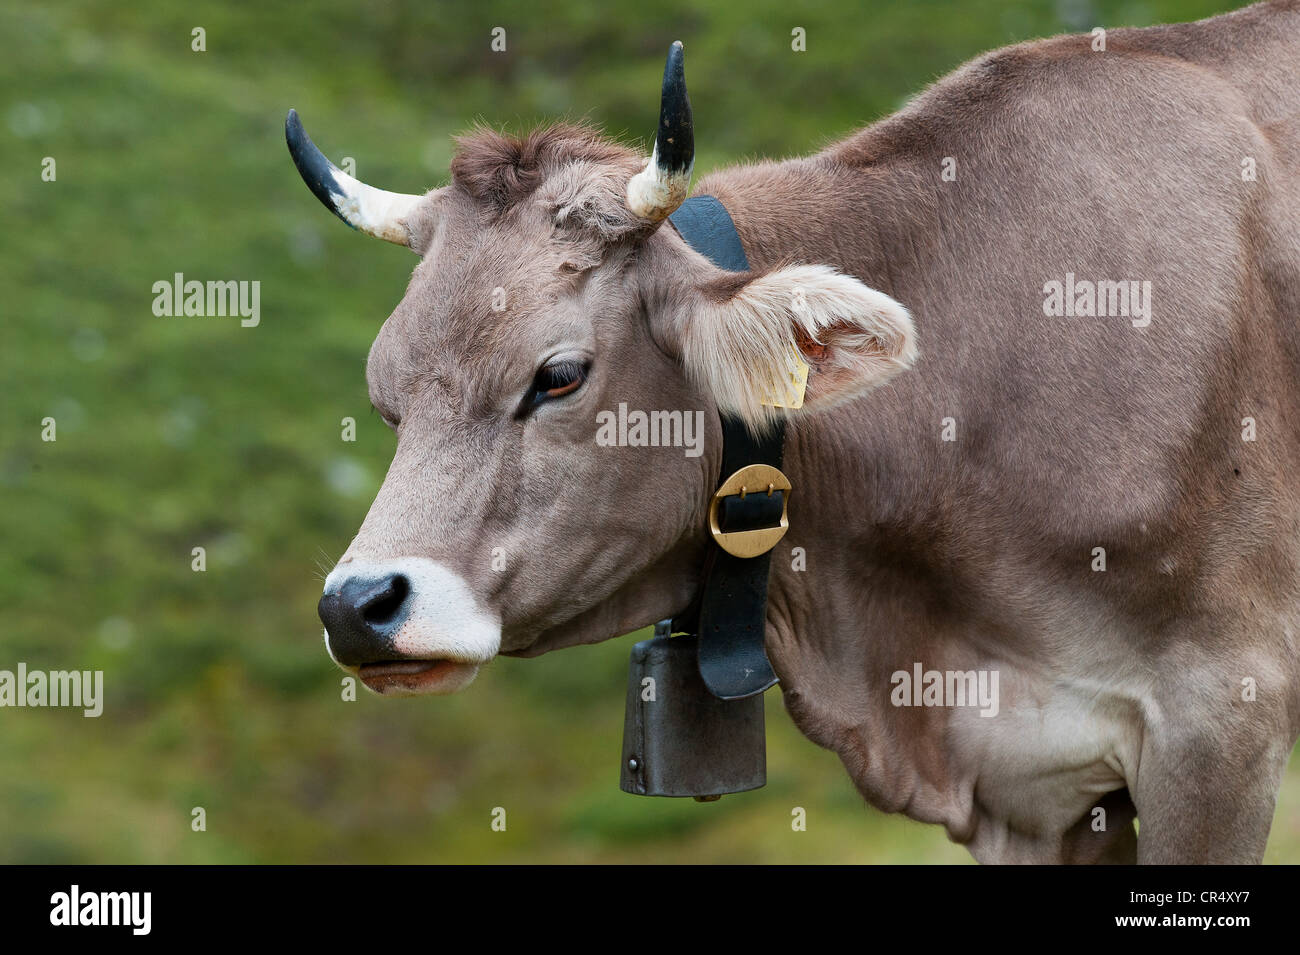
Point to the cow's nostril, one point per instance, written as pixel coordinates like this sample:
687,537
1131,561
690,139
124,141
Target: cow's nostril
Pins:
385,603
363,616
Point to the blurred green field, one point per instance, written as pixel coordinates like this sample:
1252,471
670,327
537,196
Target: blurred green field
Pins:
176,433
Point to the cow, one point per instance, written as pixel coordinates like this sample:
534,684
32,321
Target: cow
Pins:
1051,315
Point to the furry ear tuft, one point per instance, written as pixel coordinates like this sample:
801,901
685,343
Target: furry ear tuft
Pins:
589,198
741,337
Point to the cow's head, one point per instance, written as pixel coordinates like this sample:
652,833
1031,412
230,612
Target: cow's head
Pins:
546,294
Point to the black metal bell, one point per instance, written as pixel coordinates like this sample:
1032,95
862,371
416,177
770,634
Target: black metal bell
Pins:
678,738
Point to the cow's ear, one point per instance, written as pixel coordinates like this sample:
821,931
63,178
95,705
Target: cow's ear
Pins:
740,340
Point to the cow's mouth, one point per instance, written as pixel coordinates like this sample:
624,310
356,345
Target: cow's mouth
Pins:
413,677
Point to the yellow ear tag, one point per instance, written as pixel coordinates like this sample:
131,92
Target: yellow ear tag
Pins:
796,383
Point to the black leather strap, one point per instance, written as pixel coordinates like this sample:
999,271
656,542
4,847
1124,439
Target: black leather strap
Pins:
731,614
705,224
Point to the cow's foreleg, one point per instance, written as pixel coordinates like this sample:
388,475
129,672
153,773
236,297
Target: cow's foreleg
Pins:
1206,793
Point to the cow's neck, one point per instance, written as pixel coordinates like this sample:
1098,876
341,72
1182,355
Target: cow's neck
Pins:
856,511
822,210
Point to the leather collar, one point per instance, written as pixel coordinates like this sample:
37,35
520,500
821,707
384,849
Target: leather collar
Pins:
730,614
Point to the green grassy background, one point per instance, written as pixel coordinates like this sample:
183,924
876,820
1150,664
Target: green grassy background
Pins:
175,433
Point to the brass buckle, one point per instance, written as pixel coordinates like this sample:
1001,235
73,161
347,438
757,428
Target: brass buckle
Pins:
752,479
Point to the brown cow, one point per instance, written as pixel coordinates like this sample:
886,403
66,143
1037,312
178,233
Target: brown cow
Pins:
1079,510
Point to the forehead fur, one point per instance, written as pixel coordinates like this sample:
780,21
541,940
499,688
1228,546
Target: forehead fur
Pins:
574,172
524,225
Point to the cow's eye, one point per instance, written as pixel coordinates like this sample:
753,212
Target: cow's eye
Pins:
557,379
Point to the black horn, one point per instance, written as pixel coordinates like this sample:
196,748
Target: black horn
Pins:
365,208
660,188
